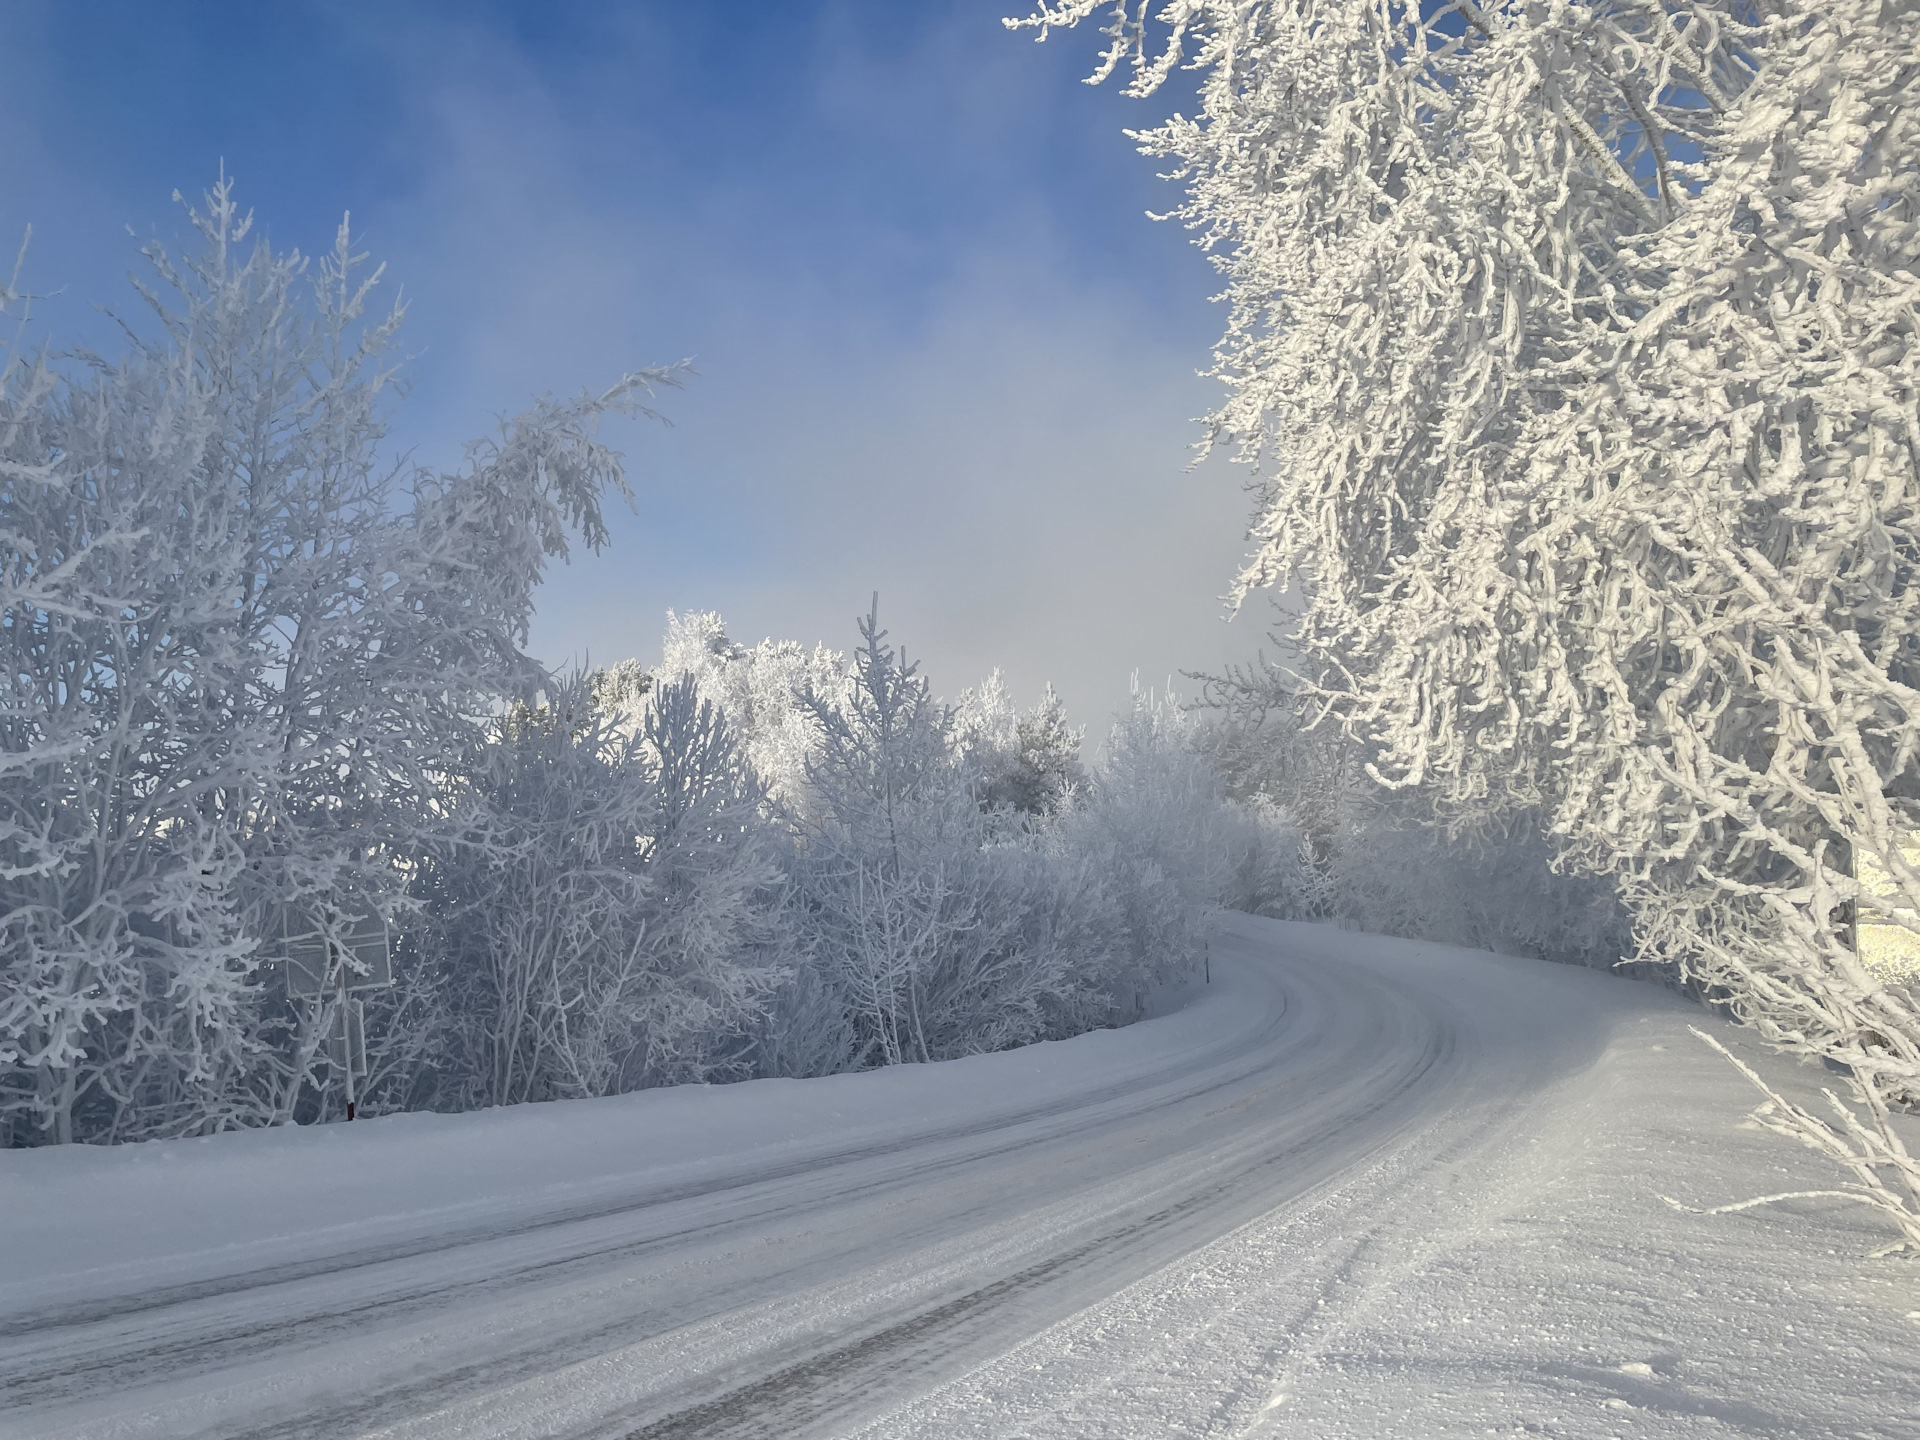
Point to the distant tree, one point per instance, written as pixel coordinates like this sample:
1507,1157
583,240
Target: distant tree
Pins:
719,930
1029,763
886,846
531,908
960,882
622,690
1159,834
1395,861
760,689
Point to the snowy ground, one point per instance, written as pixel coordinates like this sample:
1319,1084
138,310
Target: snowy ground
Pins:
1354,1188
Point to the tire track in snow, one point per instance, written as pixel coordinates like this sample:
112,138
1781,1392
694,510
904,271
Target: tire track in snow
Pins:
792,1401
129,1353
745,1311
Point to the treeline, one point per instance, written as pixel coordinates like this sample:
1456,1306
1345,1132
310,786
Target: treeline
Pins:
288,815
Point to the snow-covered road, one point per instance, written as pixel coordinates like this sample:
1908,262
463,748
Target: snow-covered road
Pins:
1354,1187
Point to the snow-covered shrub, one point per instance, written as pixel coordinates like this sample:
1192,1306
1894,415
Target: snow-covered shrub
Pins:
911,911
1574,347
242,655
603,910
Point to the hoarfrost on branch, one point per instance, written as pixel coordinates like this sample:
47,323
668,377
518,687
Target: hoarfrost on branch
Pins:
1572,349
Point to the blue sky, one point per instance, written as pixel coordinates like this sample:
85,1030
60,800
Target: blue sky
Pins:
942,353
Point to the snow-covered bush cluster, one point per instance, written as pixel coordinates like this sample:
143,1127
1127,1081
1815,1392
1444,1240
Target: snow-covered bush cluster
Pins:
959,880
1574,347
270,733
601,910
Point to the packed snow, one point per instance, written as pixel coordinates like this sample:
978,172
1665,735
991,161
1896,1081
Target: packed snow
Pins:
1353,1187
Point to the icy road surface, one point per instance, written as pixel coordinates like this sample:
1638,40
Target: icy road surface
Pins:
1354,1188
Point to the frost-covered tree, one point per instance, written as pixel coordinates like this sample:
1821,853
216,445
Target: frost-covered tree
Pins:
604,908
1028,762
532,905
1170,847
243,653
760,689
720,924
961,882
622,690
1574,347
892,865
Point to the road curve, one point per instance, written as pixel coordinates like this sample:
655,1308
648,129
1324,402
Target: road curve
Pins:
818,1284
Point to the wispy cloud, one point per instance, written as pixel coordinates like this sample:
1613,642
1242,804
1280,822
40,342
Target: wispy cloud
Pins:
942,354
